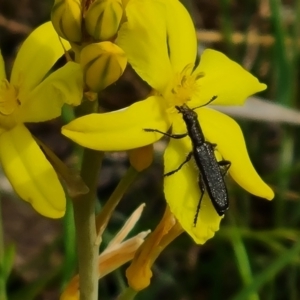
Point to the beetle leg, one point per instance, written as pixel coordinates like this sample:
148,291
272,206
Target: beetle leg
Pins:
202,190
225,165
176,170
174,136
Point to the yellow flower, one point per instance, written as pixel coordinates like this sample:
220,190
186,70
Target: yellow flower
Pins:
117,253
33,96
163,50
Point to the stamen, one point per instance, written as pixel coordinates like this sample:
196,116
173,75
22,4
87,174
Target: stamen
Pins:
8,98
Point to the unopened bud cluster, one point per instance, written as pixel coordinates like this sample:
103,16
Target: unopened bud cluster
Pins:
93,30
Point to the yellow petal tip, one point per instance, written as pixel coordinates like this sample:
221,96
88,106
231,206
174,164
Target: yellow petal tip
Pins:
49,213
269,195
262,87
69,131
199,239
64,130
58,215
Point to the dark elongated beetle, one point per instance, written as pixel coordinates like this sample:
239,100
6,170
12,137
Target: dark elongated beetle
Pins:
211,171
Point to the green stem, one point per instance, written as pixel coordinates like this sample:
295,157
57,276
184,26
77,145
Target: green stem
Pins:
69,244
3,295
127,294
84,215
110,205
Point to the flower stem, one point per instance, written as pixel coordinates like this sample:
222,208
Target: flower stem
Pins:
69,245
84,215
127,294
110,205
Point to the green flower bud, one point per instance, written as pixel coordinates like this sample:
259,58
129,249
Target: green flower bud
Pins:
66,16
103,19
103,64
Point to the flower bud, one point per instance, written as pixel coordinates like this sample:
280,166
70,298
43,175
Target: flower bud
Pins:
103,19
66,16
103,64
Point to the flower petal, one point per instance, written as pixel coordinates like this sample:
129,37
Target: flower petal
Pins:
182,191
127,227
226,133
45,102
144,40
113,258
224,78
139,272
122,129
181,36
30,174
36,56
2,67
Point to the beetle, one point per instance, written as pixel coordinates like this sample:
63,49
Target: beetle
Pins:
212,172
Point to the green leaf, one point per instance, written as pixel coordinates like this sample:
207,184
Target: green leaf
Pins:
8,261
272,270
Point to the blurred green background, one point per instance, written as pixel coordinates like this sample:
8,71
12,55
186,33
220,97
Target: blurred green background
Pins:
255,255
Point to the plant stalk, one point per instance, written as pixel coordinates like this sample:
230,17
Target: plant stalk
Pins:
84,216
